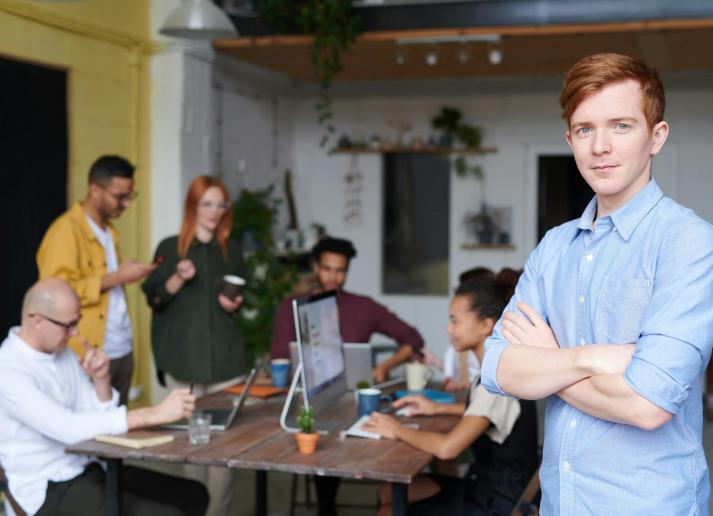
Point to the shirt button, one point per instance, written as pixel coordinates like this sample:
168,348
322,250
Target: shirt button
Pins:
566,466
590,257
572,423
581,300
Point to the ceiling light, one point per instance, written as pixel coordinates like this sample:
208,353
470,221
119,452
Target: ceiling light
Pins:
431,57
400,57
463,55
495,55
198,19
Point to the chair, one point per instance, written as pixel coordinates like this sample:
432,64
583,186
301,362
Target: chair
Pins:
11,505
527,503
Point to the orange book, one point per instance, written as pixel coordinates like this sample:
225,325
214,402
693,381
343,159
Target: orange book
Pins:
259,391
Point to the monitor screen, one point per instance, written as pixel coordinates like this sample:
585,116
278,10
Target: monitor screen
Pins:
321,342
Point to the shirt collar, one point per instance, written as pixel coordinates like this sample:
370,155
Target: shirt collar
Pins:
13,338
628,217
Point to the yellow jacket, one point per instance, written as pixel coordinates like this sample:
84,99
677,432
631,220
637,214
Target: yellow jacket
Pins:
71,251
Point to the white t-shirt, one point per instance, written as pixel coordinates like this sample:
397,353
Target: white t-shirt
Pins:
117,332
451,368
47,402
501,411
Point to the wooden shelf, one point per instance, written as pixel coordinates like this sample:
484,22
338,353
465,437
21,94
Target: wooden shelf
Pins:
410,150
501,247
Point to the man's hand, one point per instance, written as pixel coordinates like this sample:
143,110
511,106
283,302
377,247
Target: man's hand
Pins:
179,404
185,269
416,405
384,425
533,332
133,270
95,363
230,305
380,373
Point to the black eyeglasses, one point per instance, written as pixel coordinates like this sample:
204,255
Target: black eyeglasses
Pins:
67,326
122,198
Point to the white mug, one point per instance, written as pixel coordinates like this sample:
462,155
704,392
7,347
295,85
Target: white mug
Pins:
417,376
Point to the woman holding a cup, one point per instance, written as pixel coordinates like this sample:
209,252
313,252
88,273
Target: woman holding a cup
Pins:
501,432
194,293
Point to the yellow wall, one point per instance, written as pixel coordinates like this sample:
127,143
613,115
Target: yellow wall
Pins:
104,46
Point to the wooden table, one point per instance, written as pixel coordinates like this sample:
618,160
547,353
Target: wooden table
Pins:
256,442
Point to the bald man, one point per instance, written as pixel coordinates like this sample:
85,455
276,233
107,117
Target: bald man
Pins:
50,399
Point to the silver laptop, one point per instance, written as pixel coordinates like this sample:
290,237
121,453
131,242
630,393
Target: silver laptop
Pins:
359,362
221,419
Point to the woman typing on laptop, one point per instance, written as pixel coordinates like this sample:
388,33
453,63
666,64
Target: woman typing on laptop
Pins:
501,432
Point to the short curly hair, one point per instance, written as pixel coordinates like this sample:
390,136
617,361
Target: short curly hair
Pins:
333,245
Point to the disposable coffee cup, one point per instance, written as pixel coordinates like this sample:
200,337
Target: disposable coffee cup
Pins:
232,286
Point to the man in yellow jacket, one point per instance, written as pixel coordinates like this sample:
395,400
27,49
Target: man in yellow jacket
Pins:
82,247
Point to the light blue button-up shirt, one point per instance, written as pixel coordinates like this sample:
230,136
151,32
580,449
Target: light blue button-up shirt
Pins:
643,274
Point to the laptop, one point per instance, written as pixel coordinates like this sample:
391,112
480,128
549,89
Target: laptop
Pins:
359,360
221,419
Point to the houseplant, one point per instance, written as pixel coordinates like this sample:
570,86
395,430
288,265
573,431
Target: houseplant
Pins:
334,25
306,438
454,132
268,279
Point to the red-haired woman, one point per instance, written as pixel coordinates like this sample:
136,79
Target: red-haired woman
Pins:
193,331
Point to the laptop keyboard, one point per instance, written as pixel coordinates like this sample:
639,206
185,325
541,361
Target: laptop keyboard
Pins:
356,431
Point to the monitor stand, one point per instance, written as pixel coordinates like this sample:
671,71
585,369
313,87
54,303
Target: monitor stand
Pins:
322,427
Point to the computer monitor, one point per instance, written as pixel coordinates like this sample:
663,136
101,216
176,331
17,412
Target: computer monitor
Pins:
320,349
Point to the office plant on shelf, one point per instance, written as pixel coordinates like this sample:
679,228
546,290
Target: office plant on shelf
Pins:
307,437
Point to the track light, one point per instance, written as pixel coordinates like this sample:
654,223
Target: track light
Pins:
400,58
495,55
463,55
431,56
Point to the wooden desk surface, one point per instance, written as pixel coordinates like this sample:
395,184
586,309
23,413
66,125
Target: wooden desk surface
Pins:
257,442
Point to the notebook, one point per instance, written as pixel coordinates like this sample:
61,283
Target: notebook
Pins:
259,391
136,439
221,419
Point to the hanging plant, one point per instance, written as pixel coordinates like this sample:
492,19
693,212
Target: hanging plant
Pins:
334,25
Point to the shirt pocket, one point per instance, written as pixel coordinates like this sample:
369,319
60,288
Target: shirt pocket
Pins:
620,310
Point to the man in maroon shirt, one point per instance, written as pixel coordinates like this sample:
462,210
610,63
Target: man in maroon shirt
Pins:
359,316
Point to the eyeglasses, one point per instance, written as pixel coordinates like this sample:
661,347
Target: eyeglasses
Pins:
122,198
67,326
207,205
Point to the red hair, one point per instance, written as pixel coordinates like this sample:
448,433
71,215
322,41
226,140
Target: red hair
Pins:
592,73
196,190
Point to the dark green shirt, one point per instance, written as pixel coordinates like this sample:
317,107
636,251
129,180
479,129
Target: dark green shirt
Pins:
194,339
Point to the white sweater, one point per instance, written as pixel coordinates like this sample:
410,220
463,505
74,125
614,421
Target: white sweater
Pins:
47,402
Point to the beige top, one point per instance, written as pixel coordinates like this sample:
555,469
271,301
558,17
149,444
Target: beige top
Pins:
501,411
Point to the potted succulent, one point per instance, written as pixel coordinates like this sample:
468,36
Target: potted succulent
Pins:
307,438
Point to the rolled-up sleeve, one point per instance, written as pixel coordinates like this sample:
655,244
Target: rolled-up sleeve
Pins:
677,329
526,291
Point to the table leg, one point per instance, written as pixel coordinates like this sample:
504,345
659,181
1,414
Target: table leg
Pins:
261,493
113,487
398,499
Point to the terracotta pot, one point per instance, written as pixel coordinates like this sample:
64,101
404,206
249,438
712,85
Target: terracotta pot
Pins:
307,443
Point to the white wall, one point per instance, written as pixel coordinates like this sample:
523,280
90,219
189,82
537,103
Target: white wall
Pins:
522,124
